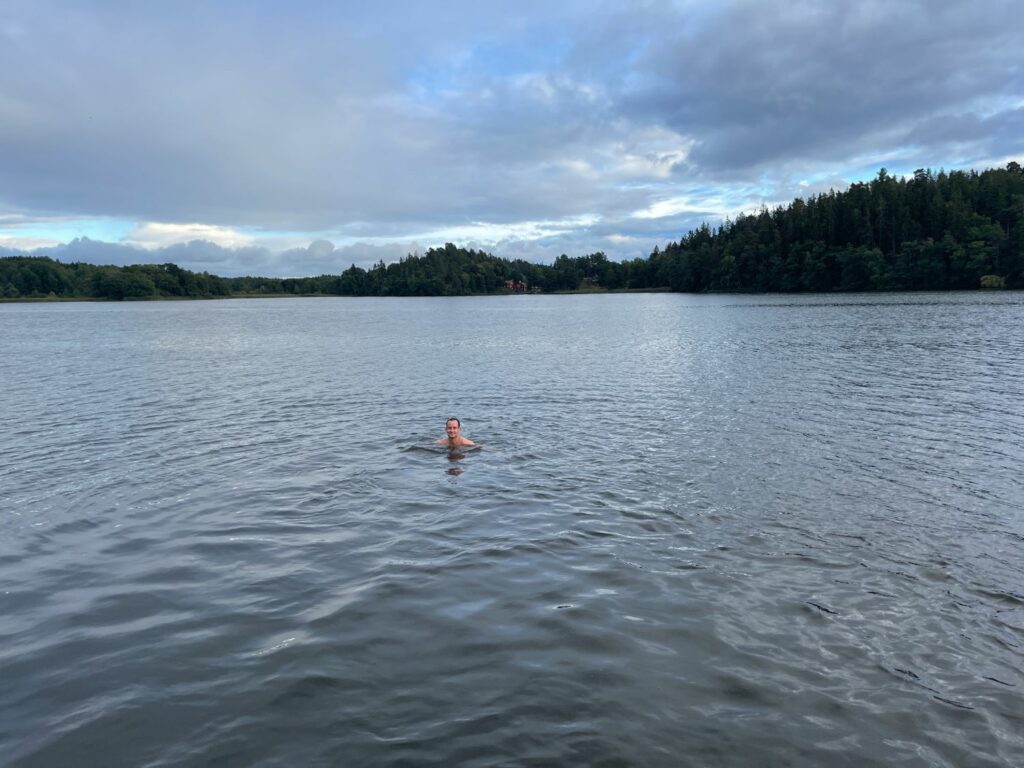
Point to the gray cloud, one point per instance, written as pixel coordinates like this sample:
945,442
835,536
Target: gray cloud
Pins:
392,119
760,84
213,115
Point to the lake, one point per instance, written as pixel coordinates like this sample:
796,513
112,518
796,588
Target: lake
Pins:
698,530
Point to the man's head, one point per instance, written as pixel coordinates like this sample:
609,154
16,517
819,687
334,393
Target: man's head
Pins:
452,427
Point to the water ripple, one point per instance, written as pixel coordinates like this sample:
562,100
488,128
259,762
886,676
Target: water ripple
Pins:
698,529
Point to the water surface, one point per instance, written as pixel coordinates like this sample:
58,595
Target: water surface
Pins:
711,530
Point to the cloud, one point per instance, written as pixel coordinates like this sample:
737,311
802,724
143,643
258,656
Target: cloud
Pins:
762,84
153,235
14,244
528,127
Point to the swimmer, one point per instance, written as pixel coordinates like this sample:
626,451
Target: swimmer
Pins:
453,430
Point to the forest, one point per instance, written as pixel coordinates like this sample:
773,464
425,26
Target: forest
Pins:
931,231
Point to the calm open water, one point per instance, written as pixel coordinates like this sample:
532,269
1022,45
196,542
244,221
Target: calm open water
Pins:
718,530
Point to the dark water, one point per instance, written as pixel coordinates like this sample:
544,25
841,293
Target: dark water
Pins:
719,531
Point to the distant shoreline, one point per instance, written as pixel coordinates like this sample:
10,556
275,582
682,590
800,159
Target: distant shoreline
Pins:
584,292
145,299
933,232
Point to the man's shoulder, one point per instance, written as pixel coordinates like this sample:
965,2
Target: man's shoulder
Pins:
460,441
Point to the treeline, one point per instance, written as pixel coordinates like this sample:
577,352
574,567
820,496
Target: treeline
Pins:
454,271
928,232
42,277
958,230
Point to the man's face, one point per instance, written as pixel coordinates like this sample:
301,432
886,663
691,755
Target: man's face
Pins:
451,429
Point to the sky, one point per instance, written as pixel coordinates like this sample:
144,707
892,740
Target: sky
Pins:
299,138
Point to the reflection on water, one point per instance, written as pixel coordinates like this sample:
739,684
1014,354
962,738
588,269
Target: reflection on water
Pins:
703,528
455,455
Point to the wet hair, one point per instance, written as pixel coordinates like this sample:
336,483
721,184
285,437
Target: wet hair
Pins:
453,419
